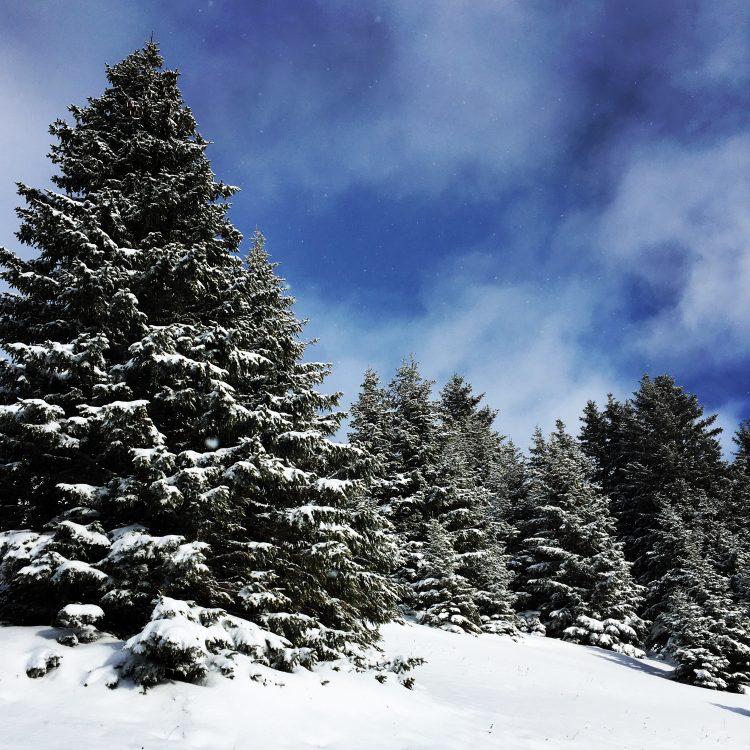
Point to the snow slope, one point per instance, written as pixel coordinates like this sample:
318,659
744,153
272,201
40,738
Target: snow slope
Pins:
474,692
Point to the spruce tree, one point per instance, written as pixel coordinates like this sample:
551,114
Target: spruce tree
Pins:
736,510
594,439
491,457
741,439
161,440
410,453
439,595
454,501
571,569
669,469
601,436
413,429
682,517
435,462
368,433
732,533
668,445
709,632
406,496
369,417
472,491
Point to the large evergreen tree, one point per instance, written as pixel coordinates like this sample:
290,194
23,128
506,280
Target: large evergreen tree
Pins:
601,440
734,527
742,440
490,457
161,439
571,569
438,594
410,492
669,456
683,518
658,458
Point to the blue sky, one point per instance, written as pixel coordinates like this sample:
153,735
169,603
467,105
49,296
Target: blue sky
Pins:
549,197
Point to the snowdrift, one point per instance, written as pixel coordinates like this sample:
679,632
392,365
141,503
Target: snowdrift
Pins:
473,692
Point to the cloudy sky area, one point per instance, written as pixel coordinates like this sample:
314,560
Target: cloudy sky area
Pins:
548,197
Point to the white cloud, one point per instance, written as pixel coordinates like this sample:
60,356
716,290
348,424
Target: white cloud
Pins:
58,60
729,416
468,94
521,345
680,221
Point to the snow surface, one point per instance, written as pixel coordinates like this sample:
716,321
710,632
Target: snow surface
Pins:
474,692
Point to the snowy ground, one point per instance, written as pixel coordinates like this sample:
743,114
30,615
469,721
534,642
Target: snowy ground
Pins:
477,693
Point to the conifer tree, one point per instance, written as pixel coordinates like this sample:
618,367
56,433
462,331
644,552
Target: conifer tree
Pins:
733,530
405,496
440,596
472,492
459,412
594,439
742,440
736,510
709,632
436,460
668,445
370,417
681,515
413,429
460,506
161,441
571,569
670,467
601,437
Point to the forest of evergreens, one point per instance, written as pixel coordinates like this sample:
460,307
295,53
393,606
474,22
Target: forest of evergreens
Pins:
169,471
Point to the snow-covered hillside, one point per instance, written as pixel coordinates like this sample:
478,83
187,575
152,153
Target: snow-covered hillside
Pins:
473,692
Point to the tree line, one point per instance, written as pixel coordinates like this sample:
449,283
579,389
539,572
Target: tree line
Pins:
634,536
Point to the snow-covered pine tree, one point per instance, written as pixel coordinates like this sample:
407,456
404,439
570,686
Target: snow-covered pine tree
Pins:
369,425
458,403
161,441
735,517
671,464
728,536
439,595
601,438
489,456
594,440
708,631
370,417
411,448
470,495
413,441
408,462
736,510
676,507
741,439
415,492
571,569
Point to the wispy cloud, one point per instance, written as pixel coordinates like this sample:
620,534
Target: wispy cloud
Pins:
680,221
521,345
467,95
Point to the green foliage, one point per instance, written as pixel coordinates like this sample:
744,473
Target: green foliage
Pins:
160,434
443,486
571,569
